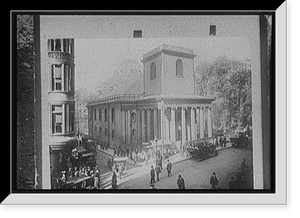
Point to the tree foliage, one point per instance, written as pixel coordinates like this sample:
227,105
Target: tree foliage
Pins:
25,103
229,81
24,41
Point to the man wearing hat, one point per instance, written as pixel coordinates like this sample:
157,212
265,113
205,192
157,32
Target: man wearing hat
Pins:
180,182
214,181
152,175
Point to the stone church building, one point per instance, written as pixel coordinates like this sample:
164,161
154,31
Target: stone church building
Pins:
162,107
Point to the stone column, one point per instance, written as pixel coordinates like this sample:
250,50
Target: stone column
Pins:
162,124
201,120
209,122
167,126
143,125
128,126
155,122
148,125
172,126
193,123
183,126
123,125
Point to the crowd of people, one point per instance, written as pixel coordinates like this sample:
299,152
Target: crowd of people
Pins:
80,172
220,141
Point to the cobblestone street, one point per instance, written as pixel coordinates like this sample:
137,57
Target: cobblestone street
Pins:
196,174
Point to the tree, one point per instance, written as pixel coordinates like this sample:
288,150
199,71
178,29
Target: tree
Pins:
25,103
229,81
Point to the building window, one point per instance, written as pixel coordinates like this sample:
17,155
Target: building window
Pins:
95,114
62,77
95,131
106,133
179,68
57,45
113,134
56,77
69,117
152,71
68,78
100,130
113,115
133,117
105,115
62,45
100,117
63,118
57,116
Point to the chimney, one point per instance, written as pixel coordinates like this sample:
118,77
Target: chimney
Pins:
212,30
137,33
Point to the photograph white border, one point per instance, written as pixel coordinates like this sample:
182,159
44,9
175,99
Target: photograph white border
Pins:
279,198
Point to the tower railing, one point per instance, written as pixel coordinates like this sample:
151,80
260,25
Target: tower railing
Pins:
118,97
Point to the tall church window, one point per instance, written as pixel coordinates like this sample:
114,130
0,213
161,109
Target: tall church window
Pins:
100,117
152,71
105,115
113,115
179,68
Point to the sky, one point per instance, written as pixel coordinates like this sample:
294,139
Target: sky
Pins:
97,59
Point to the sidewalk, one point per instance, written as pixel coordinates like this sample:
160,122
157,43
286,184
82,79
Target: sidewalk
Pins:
176,158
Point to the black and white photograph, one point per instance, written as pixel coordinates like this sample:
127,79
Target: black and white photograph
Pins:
146,103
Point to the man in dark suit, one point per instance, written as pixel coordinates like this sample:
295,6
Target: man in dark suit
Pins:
169,168
180,182
152,175
214,181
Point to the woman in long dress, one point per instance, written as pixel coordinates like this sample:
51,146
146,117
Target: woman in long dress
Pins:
114,180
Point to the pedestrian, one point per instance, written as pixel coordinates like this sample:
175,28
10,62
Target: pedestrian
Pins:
180,182
152,175
224,141
114,181
232,183
97,180
169,168
214,181
121,169
158,171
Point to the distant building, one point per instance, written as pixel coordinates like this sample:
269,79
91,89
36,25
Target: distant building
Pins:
81,117
162,105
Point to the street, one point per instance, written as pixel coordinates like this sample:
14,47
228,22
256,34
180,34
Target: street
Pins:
196,174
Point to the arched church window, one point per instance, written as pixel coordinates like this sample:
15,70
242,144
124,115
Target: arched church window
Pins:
179,68
133,117
113,115
152,71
